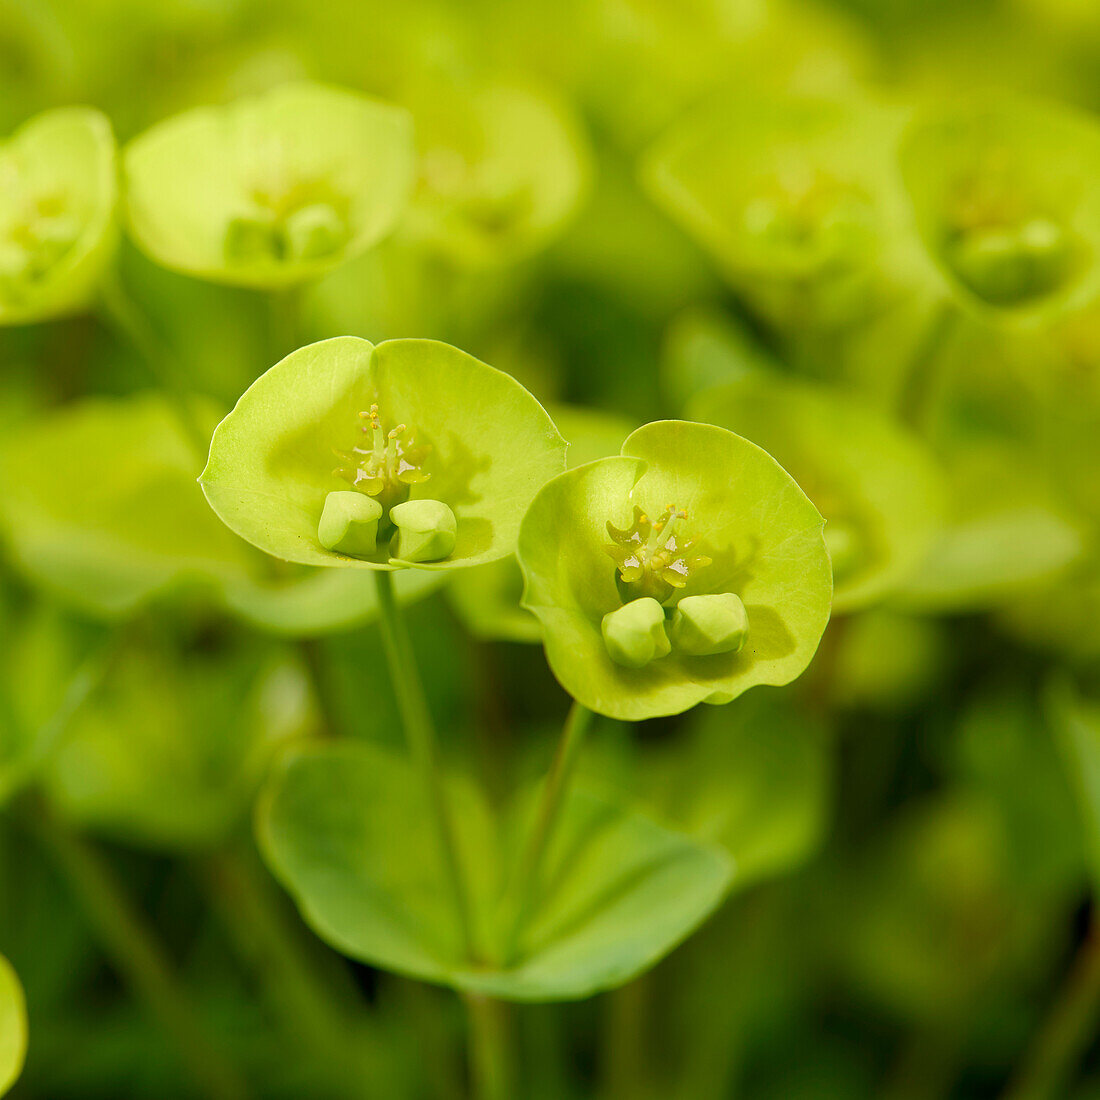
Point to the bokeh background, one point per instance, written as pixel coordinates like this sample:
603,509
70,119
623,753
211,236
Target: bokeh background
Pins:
642,209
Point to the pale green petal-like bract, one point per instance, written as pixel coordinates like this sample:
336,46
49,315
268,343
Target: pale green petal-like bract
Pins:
271,190
744,511
863,472
58,224
272,459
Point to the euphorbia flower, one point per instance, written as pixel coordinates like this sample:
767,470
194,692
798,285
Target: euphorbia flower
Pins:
271,190
1003,203
501,169
688,511
411,452
795,198
58,231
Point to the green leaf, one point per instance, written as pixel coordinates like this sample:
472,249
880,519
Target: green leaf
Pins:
487,597
171,747
865,473
744,511
983,177
13,1026
271,190
1076,725
271,460
795,198
58,226
98,504
754,779
502,167
347,830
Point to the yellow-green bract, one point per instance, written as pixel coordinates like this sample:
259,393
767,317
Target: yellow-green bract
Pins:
797,200
501,169
13,1026
877,486
271,190
487,446
744,511
58,230
1005,204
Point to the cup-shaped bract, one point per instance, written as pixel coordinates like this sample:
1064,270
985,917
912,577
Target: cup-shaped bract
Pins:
487,599
1004,203
795,199
731,520
502,167
272,190
877,485
405,420
58,225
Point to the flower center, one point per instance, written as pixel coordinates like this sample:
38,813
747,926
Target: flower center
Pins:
810,220
1002,244
387,465
37,233
288,222
653,558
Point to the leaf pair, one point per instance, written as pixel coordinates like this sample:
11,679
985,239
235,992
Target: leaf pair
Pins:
346,829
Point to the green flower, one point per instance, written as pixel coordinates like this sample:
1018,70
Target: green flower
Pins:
408,421
502,167
1003,204
793,198
58,231
272,190
687,510
877,486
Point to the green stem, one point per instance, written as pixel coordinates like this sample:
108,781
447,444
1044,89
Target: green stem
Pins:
284,322
126,317
1067,1031
138,957
422,744
263,931
627,1068
553,794
923,377
492,1071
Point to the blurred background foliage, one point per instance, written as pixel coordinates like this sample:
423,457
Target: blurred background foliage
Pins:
742,211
